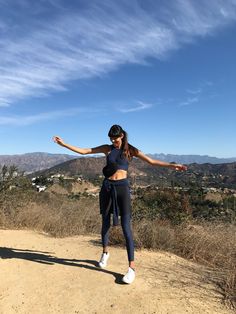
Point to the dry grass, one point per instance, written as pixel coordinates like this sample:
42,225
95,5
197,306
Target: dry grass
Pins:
212,244
54,214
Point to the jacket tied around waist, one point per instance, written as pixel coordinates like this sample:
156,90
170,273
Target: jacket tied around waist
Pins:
108,197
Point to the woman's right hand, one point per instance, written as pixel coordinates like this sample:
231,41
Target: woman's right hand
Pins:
58,140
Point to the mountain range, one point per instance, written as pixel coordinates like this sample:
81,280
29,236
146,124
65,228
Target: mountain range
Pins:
37,161
32,162
203,175
190,159
219,175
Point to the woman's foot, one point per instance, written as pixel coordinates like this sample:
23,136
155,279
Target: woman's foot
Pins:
103,260
129,276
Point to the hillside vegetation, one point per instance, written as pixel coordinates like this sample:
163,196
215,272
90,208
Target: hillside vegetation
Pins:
142,174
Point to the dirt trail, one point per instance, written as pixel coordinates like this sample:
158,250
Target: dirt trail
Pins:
40,274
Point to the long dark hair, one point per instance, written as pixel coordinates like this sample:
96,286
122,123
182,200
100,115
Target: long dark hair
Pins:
128,150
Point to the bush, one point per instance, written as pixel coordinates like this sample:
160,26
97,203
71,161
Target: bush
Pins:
164,205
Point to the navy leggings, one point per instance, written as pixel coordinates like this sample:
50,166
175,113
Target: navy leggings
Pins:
124,203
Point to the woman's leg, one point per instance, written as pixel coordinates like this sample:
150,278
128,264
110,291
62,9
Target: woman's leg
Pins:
124,202
106,218
126,227
105,232
104,200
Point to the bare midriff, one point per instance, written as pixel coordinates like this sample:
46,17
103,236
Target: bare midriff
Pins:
119,175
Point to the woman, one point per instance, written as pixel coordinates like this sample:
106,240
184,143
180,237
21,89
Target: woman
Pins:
115,194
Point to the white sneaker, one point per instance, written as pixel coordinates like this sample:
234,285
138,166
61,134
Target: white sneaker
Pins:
129,276
103,261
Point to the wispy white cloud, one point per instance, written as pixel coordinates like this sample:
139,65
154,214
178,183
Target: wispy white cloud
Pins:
32,119
198,93
194,91
189,101
201,18
41,55
208,83
141,106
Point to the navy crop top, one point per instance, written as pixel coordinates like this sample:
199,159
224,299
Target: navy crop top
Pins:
115,156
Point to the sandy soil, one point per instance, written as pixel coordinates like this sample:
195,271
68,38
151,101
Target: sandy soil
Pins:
40,274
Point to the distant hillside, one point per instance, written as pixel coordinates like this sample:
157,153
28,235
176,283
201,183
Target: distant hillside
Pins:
190,159
32,162
90,167
218,175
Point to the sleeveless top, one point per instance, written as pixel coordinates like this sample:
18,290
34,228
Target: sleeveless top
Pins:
116,156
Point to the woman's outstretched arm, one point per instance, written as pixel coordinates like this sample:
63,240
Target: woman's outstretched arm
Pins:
156,162
83,151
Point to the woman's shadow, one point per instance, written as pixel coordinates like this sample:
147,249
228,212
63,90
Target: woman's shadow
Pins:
47,258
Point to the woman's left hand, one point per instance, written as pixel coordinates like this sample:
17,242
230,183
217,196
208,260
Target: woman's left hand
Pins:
179,167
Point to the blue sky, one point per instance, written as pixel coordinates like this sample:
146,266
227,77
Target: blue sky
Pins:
164,70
